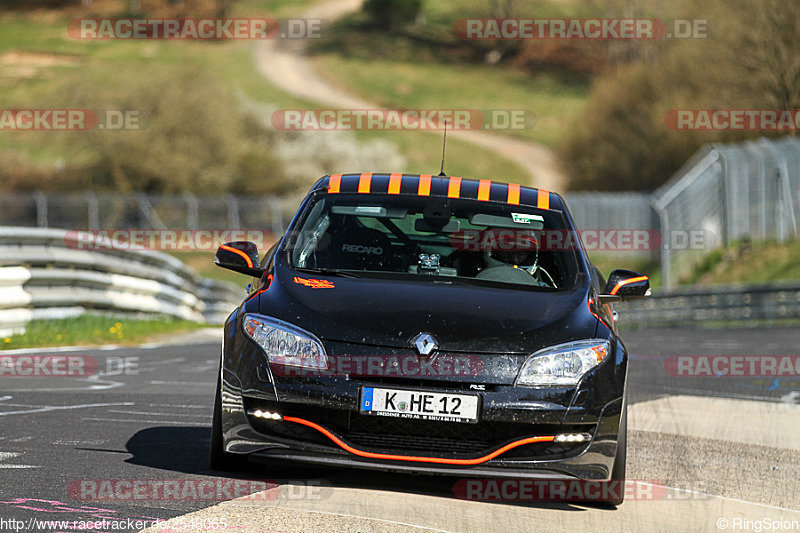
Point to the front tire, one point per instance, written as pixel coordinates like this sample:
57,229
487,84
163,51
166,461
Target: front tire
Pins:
616,485
218,458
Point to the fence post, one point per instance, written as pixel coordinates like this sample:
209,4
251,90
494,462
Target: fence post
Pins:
663,225
233,212
191,210
41,208
722,171
93,210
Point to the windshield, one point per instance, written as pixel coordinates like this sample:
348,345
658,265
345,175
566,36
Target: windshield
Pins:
438,239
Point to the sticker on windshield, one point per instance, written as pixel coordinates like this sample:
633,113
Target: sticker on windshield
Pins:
524,218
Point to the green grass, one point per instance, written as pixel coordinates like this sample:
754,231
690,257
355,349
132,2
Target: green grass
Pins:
426,66
86,330
747,262
231,63
273,8
549,101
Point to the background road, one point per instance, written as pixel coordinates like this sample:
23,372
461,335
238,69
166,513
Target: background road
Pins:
726,447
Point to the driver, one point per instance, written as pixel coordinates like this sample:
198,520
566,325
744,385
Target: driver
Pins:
520,250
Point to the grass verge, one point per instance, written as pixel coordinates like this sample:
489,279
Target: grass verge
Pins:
748,262
89,330
426,66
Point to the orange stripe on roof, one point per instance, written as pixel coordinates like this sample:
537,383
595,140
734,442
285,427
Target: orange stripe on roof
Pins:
334,183
542,199
394,183
364,182
424,188
483,190
454,188
513,193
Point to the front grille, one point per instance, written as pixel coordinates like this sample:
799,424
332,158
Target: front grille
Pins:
411,437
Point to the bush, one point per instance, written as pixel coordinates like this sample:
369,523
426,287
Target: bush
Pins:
392,14
194,135
621,141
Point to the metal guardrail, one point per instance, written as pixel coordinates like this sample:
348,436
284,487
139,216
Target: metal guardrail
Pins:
43,277
720,303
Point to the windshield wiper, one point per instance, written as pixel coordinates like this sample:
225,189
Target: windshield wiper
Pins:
328,272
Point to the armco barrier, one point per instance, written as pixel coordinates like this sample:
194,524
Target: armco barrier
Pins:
742,304
42,276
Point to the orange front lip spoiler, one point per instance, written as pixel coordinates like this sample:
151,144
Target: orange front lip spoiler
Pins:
414,458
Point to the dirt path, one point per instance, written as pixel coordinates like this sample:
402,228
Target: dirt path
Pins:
285,64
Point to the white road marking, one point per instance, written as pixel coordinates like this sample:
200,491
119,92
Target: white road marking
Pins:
127,421
4,398
165,362
174,405
210,384
149,413
97,384
721,497
11,455
51,408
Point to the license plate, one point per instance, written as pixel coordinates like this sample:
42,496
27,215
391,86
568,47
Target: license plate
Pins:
422,405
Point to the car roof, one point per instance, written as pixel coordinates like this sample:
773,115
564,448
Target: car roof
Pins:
439,186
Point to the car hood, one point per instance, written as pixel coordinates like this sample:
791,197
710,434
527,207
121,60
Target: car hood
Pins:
462,318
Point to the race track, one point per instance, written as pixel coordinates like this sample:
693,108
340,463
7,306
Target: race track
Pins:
704,453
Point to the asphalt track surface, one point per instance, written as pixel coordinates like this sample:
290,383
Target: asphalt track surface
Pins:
702,453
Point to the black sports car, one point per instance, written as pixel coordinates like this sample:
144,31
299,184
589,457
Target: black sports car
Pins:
426,324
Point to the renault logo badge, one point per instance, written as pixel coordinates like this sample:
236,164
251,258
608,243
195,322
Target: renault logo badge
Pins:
425,343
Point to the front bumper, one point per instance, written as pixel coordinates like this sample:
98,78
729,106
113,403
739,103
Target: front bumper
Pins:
337,435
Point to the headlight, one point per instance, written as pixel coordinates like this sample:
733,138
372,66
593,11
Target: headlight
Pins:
284,343
564,364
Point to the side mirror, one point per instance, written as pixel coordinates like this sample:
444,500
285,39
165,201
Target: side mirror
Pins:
625,285
239,256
